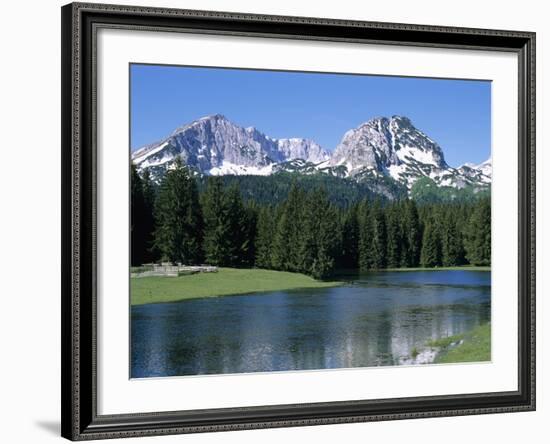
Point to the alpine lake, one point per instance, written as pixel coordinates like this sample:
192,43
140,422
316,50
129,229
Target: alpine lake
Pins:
373,319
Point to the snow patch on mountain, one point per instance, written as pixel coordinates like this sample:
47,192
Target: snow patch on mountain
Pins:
141,156
240,170
408,153
486,167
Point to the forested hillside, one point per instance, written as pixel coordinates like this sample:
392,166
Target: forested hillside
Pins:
296,223
426,190
274,189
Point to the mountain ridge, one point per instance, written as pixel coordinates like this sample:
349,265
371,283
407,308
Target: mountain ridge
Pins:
377,150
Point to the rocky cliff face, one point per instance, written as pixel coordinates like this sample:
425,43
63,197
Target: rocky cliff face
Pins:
391,148
214,145
304,149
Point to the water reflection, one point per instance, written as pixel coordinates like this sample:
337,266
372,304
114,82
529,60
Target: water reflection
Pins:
376,319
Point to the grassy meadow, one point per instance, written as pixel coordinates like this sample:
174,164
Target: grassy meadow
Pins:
476,346
227,281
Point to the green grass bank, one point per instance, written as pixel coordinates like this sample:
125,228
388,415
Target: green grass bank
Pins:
226,282
476,346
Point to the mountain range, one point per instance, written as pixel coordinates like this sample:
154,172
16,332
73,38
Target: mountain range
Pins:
382,151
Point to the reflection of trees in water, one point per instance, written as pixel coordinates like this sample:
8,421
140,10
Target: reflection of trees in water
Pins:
287,331
415,327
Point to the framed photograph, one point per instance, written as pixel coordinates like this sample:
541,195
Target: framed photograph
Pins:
281,221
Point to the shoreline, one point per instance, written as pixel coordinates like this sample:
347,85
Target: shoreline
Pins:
473,345
226,282
242,281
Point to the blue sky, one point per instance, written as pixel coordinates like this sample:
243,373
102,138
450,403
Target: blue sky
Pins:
322,107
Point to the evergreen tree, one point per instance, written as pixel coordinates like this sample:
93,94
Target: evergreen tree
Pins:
239,242
288,234
137,207
452,243
479,234
412,235
394,238
349,253
323,230
378,242
431,246
149,195
251,210
265,228
365,236
217,229
308,225
372,236
179,225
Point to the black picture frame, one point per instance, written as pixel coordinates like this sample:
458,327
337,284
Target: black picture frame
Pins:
80,420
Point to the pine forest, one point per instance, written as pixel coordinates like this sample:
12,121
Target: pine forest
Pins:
307,227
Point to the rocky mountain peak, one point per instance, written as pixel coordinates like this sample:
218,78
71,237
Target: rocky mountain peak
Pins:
388,145
215,145
403,121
